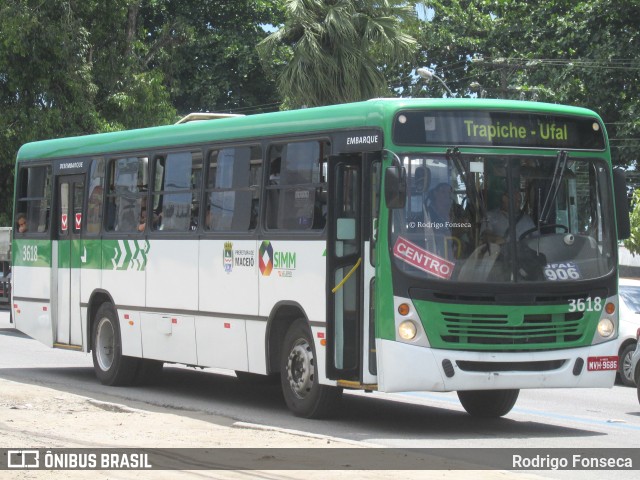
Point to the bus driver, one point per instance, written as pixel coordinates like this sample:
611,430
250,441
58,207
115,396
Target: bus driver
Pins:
495,228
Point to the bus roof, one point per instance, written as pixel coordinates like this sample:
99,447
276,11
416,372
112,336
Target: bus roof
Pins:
333,117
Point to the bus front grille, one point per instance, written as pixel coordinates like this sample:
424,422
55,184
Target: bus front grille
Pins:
526,331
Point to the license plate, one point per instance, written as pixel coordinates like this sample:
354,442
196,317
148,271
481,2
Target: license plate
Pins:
597,364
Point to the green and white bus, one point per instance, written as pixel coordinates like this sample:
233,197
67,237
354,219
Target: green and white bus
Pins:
394,245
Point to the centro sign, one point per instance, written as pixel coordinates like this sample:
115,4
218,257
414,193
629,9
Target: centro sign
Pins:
422,259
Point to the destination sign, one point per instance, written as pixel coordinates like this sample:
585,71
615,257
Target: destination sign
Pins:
499,129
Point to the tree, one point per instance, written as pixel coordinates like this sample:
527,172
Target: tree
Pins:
216,67
582,53
71,68
575,52
46,88
333,51
130,93
633,242
448,35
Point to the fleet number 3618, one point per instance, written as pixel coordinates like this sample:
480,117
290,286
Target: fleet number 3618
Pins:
585,304
29,253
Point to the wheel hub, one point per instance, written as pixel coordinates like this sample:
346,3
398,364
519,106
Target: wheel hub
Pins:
301,368
105,344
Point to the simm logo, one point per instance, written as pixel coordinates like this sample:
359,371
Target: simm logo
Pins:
269,259
265,260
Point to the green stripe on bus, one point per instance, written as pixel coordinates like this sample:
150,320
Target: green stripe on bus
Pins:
82,253
31,253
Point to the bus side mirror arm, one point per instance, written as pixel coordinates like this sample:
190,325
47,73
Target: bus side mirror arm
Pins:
622,204
395,187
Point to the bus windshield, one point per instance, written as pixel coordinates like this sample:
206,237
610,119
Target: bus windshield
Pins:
504,218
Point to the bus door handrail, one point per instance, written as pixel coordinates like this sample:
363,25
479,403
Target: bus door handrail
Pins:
344,280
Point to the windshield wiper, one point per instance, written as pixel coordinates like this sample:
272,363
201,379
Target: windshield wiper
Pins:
558,173
453,154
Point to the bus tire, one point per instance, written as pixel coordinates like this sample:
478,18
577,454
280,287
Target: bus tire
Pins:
302,391
111,367
488,403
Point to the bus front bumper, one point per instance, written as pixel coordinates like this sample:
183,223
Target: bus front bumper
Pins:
404,368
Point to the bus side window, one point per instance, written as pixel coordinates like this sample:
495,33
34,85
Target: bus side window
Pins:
128,179
175,191
255,179
34,199
233,186
96,190
272,190
297,201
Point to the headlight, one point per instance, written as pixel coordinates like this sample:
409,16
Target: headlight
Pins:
407,330
605,327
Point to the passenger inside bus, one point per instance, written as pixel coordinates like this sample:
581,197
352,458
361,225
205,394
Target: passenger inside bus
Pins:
495,228
143,219
156,219
21,222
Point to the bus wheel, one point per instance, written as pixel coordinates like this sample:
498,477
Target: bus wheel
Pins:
488,403
302,391
111,367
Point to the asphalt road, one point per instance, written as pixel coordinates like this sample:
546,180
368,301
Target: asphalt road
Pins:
560,418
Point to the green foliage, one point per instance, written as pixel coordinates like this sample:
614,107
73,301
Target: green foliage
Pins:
46,89
451,34
633,242
214,66
71,68
331,52
561,51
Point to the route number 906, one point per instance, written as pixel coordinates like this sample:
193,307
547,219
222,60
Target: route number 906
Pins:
562,271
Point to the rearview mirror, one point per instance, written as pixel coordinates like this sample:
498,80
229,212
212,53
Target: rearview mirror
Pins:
622,204
395,187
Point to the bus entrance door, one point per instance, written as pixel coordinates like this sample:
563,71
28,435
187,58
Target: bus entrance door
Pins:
70,207
345,318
